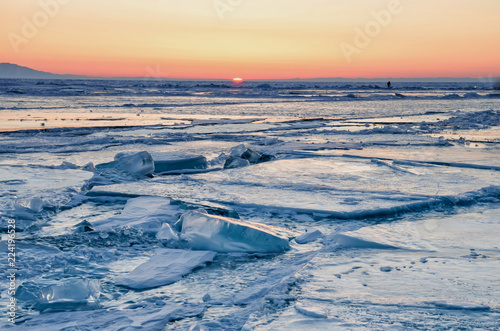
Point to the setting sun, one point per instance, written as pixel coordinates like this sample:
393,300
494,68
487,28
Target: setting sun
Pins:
237,80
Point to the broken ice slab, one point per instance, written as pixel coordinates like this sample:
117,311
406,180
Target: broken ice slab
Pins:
240,154
166,267
136,164
27,208
235,162
167,233
254,157
237,151
178,161
71,295
35,205
145,213
251,156
224,234
29,190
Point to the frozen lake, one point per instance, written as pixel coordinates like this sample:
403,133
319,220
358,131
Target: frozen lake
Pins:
271,206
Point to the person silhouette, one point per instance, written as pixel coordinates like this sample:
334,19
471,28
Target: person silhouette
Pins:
389,84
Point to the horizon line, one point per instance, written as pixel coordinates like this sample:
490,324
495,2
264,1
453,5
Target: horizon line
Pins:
79,76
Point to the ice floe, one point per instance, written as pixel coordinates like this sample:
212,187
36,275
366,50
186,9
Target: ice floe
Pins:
224,234
144,213
385,205
235,162
167,233
69,295
166,267
165,162
135,164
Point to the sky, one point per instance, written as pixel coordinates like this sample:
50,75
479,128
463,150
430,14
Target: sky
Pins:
254,39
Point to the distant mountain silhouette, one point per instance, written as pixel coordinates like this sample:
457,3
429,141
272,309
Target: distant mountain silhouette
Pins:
9,70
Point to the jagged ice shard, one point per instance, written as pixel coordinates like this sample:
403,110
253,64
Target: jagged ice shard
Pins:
224,234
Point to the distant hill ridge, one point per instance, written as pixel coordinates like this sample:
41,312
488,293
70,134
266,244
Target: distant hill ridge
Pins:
10,70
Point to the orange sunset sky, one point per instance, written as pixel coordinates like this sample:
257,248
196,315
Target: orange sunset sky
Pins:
253,39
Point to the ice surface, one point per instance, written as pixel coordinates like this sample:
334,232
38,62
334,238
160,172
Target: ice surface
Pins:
166,267
403,189
311,311
360,277
461,305
341,187
476,231
197,327
223,234
148,316
145,213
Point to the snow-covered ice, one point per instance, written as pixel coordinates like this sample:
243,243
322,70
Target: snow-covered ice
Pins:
311,235
165,205
165,267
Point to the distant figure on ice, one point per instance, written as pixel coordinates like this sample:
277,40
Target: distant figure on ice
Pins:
389,84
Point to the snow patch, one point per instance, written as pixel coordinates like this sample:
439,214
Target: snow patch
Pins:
311,311
311,235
